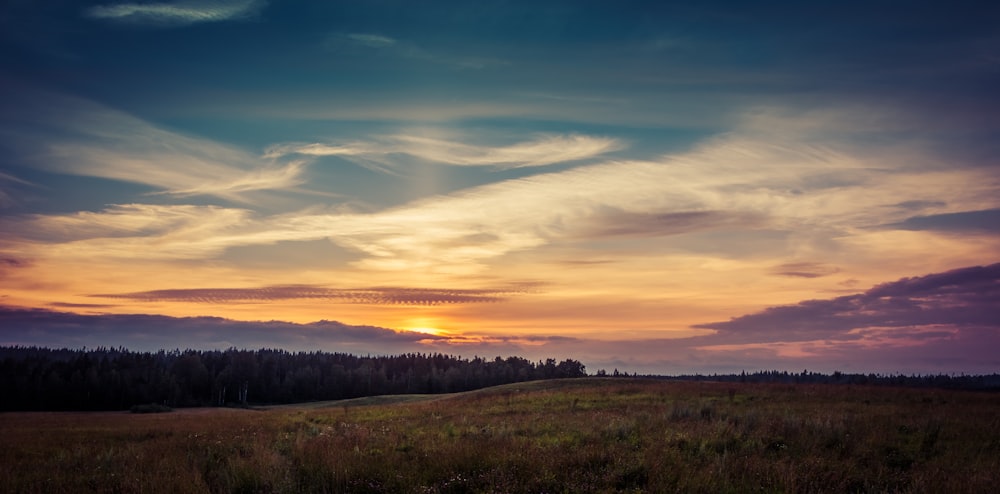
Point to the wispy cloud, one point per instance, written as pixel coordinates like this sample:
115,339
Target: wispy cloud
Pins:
372,40
133,231
75,136
719,184
131,220
743,180
737,181
5,177
407,50
804,269
544,150
318,149
7,183
369,295
179,13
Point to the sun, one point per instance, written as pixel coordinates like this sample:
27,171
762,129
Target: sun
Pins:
426,325
430,331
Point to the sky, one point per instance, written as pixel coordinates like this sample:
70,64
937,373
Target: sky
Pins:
655,187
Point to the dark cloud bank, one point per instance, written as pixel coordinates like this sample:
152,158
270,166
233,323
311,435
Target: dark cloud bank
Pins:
143,332
38,327
944,322
962,298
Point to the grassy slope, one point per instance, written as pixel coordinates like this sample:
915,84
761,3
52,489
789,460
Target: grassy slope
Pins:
586,435
413,398
355,402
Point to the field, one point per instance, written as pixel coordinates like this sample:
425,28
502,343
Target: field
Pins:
579,435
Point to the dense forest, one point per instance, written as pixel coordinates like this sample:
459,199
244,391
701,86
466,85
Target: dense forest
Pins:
117,379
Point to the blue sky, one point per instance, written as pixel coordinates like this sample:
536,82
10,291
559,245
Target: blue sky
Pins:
503,176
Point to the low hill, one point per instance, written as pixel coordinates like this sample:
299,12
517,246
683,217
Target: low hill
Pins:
503,389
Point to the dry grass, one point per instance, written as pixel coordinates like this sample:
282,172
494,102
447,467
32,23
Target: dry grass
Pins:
585,435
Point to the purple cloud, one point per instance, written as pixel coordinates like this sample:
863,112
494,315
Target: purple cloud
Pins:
961,298
969,282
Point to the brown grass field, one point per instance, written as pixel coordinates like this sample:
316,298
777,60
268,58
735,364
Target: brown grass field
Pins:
581,435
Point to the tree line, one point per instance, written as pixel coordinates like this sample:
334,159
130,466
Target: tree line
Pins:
980,382
33,378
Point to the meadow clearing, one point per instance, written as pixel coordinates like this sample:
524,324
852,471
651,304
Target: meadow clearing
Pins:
578,435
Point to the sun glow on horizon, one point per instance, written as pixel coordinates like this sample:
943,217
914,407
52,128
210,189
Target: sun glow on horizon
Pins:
430,331
427,326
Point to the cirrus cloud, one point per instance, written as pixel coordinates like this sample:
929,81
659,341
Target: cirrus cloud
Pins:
180,13
544,150
75,136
